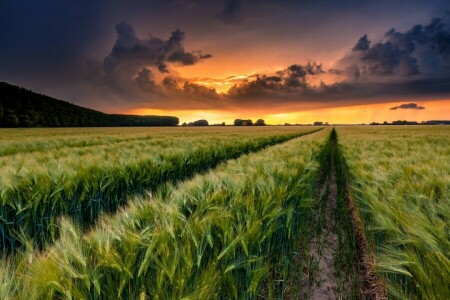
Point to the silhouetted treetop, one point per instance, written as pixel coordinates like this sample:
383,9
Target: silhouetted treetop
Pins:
20,107
201,123
239,122
260,122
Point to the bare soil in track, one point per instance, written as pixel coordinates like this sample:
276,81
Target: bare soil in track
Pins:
321,277
322,281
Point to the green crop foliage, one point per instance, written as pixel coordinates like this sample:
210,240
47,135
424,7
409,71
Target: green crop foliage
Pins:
49,173
400,181
226,234
239,231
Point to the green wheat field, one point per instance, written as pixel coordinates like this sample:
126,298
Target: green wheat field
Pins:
222,212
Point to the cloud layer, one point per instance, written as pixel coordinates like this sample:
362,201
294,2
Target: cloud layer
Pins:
410,64
84,54
424,49
131,60
407,106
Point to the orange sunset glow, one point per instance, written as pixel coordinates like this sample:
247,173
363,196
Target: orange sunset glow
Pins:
338,115
283,61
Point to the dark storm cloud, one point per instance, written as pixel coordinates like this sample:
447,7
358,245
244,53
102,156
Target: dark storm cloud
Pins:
410,64
362,44
193,90
289,80
387,58
422,49
341,93
186,89
362,91
129,49
296,74
183,94
383,58
146,82
170,83
407,106
263,84
174,50
336,71
372,72
131,54
204,56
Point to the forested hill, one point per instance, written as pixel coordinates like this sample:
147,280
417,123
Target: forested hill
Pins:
20,107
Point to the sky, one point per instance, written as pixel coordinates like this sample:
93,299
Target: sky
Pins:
284,61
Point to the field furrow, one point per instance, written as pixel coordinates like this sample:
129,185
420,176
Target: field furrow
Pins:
37,189
400,186
227,234
351,213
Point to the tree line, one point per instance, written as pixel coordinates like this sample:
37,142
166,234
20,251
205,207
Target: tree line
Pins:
20,107
237,122
248,122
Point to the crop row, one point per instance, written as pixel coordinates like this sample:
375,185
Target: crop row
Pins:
36,189
226,234
13,141
400,182
233,232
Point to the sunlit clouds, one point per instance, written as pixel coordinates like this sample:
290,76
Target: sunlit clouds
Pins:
222,85
286,61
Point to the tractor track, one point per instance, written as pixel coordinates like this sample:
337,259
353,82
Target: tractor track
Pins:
330,269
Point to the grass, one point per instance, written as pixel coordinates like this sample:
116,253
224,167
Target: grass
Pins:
48,173
229,233
400,182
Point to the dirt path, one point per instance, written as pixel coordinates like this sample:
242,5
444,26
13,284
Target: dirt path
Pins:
322,281
331,262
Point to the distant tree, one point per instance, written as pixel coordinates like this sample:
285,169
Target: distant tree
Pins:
239,122
201,123
12,120
400,122
385,123
184,124
223,124
260,122
247,122
26,122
